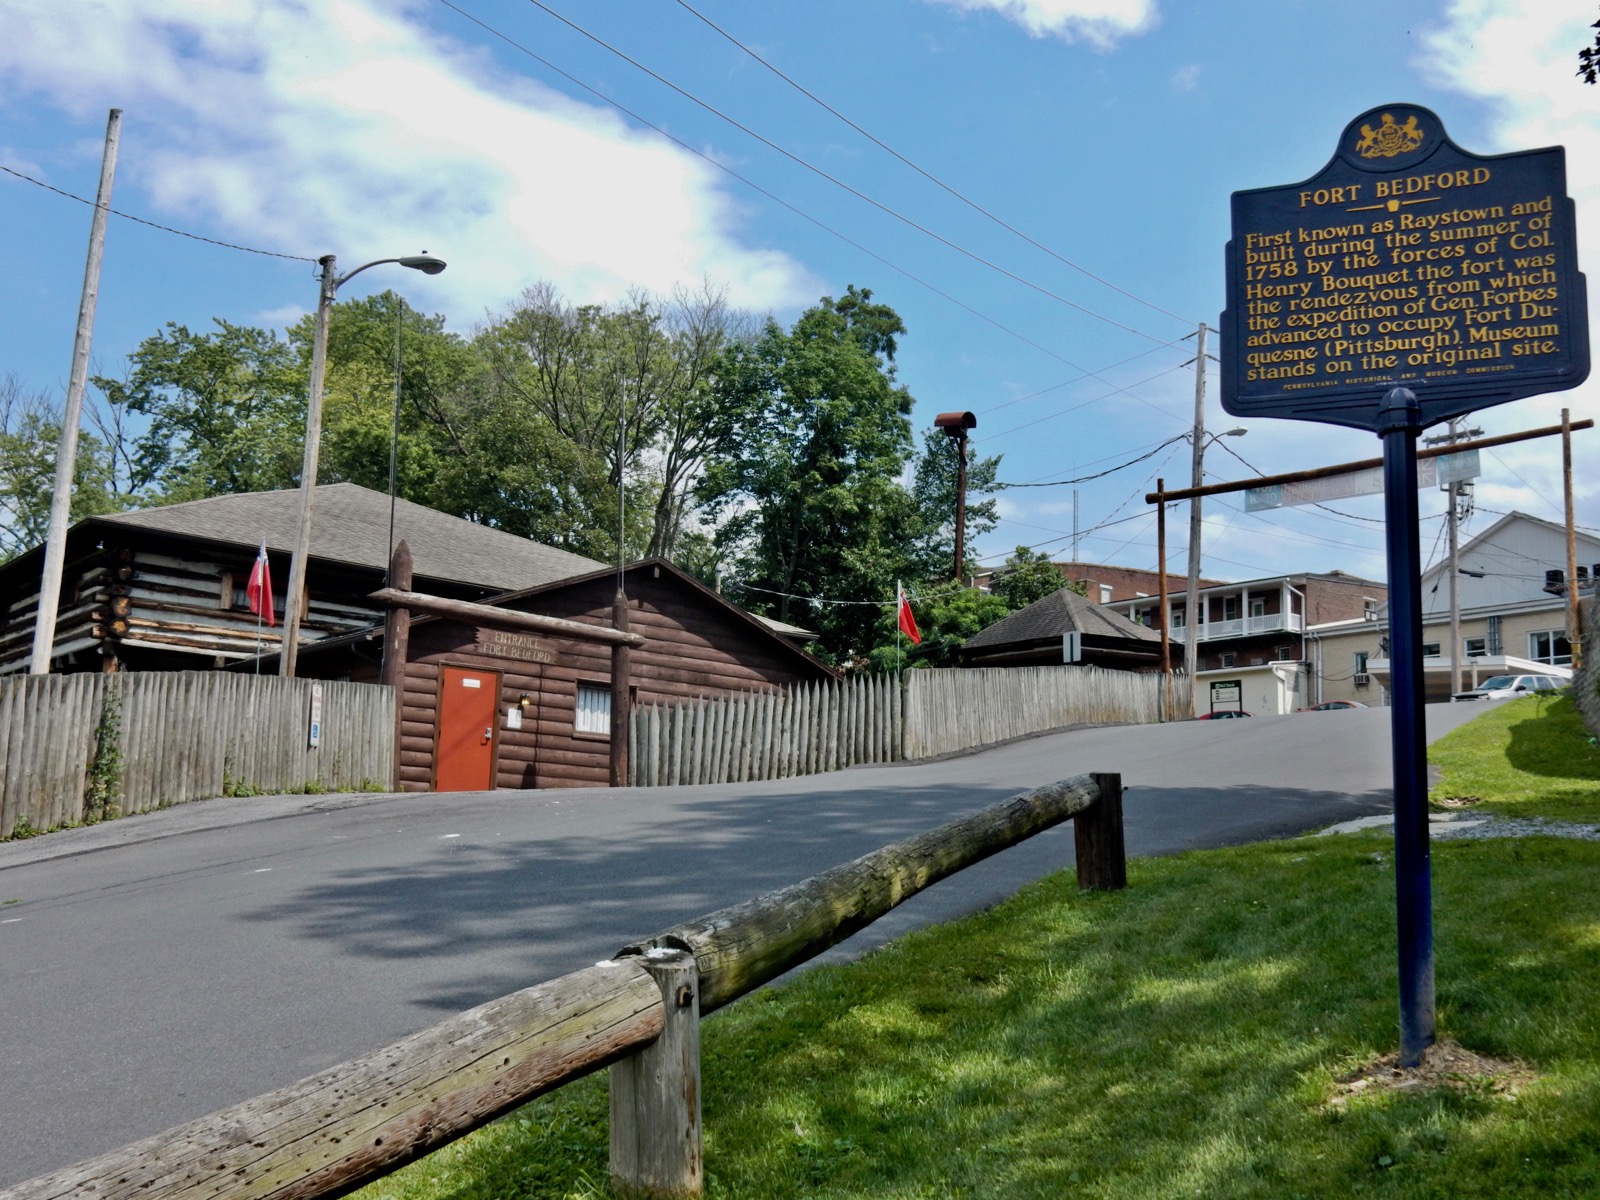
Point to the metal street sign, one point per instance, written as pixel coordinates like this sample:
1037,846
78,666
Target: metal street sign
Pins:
1405,262
1431,472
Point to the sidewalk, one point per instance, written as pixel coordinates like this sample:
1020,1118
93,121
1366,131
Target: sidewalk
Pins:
194,817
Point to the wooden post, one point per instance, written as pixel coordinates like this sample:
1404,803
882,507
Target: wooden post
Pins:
1102,860
655,1093
621,670
396,643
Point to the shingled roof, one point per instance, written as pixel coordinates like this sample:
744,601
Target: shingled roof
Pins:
1060,612
350,525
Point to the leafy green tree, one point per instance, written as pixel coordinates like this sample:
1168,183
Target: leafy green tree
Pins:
226,411
1028,576
945,619
30,440
813,435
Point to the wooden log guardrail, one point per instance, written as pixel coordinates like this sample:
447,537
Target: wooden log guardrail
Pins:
331,1133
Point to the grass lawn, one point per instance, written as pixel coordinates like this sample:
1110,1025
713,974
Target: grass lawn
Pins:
1181,1038
1523,758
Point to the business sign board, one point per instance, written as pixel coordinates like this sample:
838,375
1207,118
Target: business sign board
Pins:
1227,693
1405,262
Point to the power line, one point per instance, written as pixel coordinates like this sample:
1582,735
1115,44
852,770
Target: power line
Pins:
759,190
970,203
1095,400
152,224
837,182
1098,475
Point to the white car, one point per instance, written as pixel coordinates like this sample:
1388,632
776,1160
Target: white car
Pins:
1509,687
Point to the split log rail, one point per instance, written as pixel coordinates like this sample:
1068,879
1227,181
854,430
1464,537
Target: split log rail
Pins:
329,1134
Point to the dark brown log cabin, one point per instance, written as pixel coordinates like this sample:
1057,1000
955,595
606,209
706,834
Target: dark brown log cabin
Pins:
487,708
163,589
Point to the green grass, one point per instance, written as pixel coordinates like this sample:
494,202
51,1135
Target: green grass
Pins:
1180,1038
1529,757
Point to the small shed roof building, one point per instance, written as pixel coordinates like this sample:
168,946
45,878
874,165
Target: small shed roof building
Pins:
1033,637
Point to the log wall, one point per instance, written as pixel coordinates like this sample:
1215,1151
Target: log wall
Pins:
692,649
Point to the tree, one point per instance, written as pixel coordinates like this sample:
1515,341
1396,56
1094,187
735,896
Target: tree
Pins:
30,440
1028,576
1589,59
226,411
945,619
813,435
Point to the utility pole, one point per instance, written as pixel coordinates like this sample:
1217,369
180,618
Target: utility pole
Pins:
55,545
1191,596
1453,524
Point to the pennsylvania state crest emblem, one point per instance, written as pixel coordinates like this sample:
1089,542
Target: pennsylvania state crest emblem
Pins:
1389,139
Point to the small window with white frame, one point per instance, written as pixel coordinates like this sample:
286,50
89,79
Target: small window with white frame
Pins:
1227,659
1105,593
1431,650
1550,646
1475,647
594,709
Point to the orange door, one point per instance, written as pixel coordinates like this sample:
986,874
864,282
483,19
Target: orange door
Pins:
467,705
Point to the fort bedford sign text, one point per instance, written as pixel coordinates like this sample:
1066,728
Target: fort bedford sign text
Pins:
1406,262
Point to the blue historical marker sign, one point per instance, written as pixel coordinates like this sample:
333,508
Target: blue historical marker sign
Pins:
1405,262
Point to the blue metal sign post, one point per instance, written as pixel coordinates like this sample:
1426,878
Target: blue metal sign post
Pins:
1400,419
1407,282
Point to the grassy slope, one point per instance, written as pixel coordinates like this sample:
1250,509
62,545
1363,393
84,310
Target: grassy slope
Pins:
1177,1039
1527,757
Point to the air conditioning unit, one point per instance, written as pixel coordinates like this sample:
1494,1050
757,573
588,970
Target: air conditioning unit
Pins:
1363,679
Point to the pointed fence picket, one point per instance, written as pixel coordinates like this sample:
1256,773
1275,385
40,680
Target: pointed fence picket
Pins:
834,724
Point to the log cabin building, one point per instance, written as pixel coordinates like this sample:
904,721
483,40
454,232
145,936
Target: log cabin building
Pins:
164,589
484,708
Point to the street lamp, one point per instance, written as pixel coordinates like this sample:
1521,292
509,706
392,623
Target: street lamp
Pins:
1191,596
329,287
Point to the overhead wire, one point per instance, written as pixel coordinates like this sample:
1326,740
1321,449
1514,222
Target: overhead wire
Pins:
839,183
929,176
778,200
127,216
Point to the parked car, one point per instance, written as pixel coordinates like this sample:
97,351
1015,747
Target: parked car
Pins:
1509,687
1331,705
1224,714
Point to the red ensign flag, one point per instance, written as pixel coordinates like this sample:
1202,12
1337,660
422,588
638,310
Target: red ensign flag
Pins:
908,623
259,590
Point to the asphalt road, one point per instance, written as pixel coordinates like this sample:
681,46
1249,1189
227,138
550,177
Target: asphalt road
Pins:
157,968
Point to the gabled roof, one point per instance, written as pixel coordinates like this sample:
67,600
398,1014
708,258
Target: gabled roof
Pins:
1061,612
350,525
1492,535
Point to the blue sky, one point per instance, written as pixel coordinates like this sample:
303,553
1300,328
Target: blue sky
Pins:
1111,132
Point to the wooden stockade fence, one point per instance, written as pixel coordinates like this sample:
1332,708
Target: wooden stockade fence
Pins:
879,719
76,747
959,709
331,1133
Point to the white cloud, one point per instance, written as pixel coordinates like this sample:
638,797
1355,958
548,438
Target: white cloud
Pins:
1098,22
347,125
1187,79
1520,57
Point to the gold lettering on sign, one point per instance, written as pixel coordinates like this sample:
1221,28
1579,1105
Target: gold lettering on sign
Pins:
505,644
1351,300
